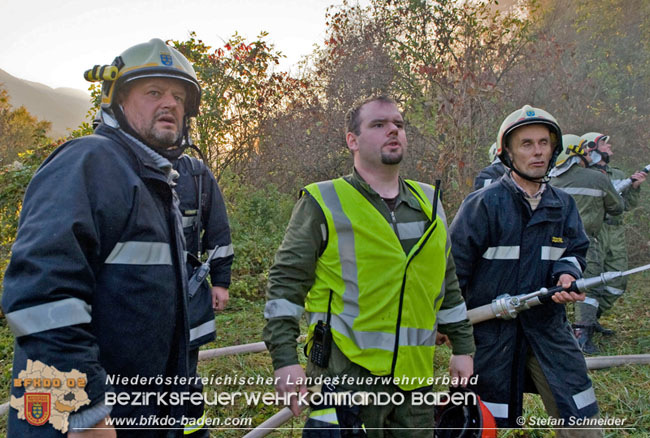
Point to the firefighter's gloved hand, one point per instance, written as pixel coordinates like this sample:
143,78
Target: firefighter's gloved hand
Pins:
286,378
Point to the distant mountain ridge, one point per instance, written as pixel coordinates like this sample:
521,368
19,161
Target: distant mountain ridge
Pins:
66,108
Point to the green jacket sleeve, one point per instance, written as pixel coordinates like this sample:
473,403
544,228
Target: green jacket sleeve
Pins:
452,316
290,278
612,201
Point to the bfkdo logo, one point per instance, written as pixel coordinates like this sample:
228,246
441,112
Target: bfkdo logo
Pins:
37,407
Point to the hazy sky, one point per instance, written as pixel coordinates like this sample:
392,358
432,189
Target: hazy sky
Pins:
54,42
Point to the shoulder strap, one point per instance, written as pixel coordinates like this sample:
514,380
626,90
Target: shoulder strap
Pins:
197,173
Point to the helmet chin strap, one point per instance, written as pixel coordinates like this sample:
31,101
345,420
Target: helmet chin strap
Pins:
540,180
605,157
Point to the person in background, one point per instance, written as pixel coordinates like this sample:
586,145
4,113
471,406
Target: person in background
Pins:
491,173
595,196
612,235
206,229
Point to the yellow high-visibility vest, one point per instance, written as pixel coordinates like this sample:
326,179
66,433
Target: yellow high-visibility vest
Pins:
384,302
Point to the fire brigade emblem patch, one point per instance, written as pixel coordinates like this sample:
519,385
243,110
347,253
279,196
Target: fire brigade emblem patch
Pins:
37,408
166,59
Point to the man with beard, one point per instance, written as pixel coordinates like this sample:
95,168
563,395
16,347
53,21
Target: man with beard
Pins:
96,281
519,235
367,256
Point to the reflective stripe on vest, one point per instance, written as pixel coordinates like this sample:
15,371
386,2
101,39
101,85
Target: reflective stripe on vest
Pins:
325,415
375,286
194,426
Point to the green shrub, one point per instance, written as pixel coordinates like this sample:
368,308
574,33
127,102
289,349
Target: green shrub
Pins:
258,218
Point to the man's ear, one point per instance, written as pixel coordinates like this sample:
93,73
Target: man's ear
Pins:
351,140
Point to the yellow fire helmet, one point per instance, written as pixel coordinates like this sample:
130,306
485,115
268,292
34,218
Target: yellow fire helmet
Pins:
527,115
573,146
147,60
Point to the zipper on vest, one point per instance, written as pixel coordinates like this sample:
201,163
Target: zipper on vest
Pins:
392,216
401,297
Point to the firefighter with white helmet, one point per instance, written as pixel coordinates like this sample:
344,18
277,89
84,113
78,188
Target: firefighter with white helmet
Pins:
612,234
530,236
595,196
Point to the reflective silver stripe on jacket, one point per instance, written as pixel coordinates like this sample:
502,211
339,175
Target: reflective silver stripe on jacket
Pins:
487,182
498,410
502,253
280,308
347,255
411,230
222,251
140,253
552,252
189,221
195,426
325,415
596,193
409,336
591,301
48,316
413,337
572,260
455,314
201,330
614,290
363,340
585,398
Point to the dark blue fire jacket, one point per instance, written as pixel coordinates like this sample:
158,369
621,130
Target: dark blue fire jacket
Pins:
96,280
215,236
489,174
500,246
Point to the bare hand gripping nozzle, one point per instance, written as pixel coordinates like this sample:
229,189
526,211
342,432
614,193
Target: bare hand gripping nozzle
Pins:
623,184
508,306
